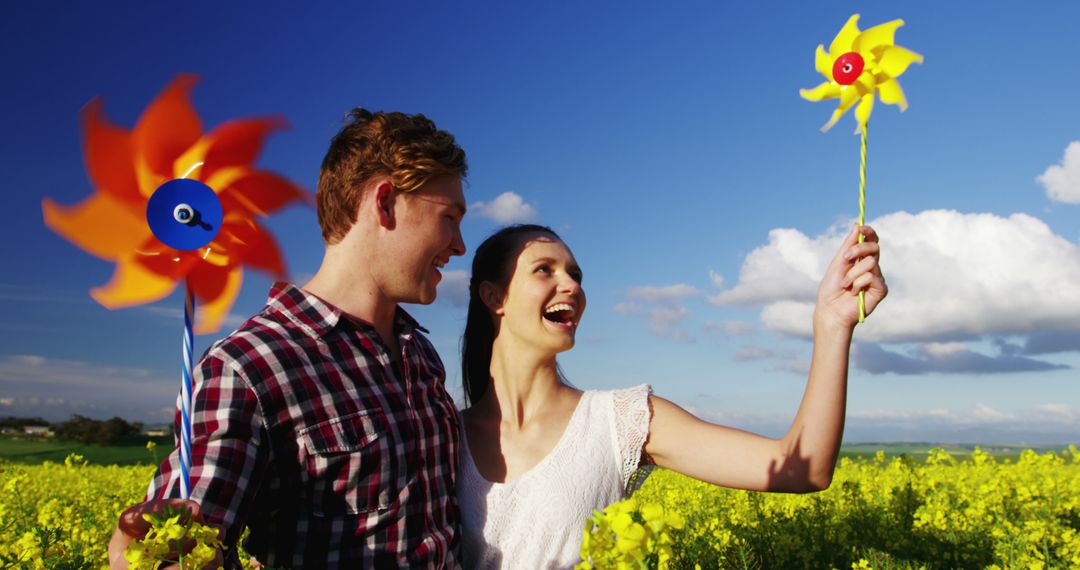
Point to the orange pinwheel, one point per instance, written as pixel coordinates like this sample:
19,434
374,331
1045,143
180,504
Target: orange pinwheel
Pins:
126,167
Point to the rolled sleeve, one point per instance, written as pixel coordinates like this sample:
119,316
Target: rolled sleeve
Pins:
228,457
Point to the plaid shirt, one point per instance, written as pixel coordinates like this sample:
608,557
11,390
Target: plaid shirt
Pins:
303,432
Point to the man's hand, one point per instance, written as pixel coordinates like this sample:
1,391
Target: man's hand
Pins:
133,526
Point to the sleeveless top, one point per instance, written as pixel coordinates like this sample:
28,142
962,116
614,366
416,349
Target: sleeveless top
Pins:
536,520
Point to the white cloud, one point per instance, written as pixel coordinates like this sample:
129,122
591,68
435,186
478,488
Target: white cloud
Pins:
753,353
662,294
663,318
789,267
454,287
1062,181
980,424
943,358
507,208
1046,424
727,328
661,307
951,275
1063,413
32,385
944,349
980,413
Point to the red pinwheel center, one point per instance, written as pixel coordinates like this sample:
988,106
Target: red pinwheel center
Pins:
848,68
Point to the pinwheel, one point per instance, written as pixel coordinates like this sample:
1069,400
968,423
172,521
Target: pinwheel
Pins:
172,205
127,167
858,65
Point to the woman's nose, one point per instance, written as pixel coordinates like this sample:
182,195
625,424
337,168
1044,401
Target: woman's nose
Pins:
569,285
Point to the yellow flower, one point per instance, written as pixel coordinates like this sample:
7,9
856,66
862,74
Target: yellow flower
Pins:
630,538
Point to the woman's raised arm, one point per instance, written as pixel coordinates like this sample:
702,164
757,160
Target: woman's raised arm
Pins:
804,458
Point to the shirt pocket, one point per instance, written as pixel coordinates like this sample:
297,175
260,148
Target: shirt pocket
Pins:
348,465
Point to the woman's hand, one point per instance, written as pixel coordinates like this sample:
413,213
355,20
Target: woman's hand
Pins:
855,268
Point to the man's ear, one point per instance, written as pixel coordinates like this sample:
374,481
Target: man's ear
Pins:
383,197
492,296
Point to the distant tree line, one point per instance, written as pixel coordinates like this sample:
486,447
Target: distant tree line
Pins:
12,422
85,430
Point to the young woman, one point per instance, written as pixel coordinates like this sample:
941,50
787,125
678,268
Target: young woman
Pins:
539,455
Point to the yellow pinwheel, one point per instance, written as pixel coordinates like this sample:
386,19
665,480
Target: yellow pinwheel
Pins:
858,64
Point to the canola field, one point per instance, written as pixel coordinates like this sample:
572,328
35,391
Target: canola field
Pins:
945,512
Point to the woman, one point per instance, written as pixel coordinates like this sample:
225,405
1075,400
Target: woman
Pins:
539,455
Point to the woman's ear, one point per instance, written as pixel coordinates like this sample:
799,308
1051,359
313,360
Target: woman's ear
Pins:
492,296
383,201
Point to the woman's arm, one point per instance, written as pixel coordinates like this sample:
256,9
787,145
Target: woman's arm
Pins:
802,460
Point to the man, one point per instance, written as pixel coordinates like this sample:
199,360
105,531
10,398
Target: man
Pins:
322,423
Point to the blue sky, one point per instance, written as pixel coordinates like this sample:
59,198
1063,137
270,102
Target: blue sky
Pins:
669,147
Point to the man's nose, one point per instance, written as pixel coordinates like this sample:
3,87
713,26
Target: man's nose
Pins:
457,246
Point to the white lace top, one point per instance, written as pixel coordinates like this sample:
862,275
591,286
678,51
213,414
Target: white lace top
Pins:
536,520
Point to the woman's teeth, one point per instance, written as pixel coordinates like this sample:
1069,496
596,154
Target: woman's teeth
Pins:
560,313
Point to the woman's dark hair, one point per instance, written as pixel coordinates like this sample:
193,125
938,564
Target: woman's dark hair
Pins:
492,262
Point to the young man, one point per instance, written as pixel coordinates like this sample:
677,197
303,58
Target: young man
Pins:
323,423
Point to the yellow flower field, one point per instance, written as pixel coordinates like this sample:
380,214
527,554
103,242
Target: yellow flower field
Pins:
879,513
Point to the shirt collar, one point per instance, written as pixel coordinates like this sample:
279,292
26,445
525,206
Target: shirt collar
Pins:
320,317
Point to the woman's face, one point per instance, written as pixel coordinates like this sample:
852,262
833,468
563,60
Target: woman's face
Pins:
544,301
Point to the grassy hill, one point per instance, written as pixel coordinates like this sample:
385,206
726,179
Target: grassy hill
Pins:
34,451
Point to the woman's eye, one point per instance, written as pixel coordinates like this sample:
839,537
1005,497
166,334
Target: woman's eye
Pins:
543,269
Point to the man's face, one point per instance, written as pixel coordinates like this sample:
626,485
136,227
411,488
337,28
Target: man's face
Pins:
427,235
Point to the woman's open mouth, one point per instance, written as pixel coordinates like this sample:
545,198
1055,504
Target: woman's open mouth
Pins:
561,315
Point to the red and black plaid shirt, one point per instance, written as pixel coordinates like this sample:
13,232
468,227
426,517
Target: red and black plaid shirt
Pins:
303,432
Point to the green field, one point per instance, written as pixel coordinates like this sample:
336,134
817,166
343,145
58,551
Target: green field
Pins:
37,450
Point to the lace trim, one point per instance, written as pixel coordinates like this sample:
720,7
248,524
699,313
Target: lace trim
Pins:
632,416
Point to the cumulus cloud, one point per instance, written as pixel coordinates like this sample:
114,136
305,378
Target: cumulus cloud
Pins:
943,358
33,385
663,319
1062,181
789,267
749,353
661,307
507,208
727,328
664,294
951,275
454,288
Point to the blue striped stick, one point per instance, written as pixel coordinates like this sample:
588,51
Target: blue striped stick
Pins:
185,394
